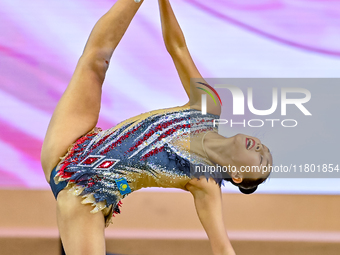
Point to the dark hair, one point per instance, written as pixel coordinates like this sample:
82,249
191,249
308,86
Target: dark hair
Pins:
247,186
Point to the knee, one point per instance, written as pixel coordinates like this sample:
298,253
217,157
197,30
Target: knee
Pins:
96,61
71,212
68,205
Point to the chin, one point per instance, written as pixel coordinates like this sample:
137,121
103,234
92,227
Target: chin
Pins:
239,140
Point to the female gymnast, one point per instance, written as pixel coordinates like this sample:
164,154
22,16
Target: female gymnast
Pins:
91,170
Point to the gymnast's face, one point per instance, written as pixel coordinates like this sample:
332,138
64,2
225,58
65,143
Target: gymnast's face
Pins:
249,153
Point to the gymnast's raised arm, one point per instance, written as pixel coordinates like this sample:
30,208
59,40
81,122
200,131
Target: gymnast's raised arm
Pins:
176,46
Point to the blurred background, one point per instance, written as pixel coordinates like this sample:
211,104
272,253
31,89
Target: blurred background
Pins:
40,44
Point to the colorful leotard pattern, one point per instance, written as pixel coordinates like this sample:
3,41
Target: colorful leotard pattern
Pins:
105,166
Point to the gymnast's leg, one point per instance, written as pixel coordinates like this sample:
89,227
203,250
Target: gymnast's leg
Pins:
75,115
78,109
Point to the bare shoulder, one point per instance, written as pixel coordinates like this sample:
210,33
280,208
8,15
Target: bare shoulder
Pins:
202,185
216,110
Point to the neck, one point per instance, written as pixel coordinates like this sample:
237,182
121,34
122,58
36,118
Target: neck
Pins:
218,148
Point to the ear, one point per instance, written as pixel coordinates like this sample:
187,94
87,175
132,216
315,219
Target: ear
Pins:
237,177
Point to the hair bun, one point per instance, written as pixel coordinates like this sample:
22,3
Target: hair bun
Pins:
247,191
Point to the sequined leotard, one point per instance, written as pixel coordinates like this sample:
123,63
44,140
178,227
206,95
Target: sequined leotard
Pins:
105,166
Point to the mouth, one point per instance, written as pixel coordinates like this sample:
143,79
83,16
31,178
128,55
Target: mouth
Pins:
250,143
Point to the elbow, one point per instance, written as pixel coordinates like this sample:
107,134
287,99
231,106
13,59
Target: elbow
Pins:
175,49
174,44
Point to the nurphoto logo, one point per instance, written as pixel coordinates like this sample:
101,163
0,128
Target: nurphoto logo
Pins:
239,103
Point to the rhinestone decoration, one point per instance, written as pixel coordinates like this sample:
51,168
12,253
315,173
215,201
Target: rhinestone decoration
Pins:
107,164
90,161
146,152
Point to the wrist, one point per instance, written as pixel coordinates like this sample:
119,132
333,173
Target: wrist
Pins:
226,251
229,251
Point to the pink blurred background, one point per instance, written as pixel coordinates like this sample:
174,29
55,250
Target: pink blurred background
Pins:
41,41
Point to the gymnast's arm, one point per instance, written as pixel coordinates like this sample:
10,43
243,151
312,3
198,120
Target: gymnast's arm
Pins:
176,46
208,202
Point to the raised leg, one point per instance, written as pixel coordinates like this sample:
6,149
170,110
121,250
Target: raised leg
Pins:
78,110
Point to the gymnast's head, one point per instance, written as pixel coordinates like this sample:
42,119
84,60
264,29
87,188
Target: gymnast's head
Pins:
251,160
246,160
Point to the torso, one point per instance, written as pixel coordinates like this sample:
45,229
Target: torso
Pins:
149,150
142,144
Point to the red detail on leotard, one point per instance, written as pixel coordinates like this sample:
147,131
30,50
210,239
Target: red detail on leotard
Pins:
76,150
90,161
158,128
106,164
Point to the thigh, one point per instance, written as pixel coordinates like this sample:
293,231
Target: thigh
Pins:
76,113
81,232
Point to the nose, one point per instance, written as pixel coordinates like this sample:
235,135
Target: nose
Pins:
259,147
